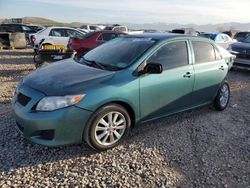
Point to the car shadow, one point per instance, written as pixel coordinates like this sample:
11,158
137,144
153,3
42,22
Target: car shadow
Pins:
25,52
18,152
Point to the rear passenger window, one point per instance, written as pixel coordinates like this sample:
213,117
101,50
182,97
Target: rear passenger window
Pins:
171,55
204,52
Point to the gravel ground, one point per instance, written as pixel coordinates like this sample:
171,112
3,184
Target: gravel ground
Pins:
199,148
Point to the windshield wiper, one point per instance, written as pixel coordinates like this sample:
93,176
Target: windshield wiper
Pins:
94,63
99,65
112,67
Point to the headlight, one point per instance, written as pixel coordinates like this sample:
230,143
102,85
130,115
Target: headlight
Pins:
57,102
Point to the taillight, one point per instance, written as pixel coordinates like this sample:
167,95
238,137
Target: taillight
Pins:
33,38
70,46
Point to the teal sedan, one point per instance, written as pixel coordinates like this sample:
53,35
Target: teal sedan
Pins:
130,80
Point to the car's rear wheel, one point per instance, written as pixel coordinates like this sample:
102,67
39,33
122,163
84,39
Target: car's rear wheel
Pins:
222,99
107,127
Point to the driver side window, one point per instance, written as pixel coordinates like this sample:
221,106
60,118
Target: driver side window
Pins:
171,55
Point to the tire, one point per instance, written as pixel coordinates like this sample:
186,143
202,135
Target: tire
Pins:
101,133
27,42
222,98
37,60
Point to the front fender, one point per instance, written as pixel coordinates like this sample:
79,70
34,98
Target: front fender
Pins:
127,92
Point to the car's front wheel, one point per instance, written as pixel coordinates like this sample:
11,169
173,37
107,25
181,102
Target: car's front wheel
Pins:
222,99
107,127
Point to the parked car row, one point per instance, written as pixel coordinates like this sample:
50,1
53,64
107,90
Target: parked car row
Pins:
83,39
238,46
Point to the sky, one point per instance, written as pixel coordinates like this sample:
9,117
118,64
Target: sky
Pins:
130,11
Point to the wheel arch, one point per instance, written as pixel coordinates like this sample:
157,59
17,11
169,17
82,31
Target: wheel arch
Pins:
125,105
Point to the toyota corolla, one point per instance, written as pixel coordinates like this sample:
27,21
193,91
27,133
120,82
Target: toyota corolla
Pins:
130,80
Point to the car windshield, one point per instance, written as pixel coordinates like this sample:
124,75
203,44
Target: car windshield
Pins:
41,30
25,28
118,53
241,36
247,39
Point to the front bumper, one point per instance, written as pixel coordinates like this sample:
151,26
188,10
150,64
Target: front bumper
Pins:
56,128
242,63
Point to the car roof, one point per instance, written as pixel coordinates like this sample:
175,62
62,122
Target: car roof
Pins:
108,31
13,24
54,27
162,36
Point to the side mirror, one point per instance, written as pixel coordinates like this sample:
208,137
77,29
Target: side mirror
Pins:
153,68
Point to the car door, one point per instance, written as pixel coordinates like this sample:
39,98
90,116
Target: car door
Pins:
210,70
170,91
57,37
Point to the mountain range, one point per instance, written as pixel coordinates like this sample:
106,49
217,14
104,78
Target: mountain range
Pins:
156,26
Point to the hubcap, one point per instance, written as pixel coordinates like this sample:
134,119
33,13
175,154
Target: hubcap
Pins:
110,128
224,95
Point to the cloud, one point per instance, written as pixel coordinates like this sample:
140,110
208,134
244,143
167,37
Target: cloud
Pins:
145,11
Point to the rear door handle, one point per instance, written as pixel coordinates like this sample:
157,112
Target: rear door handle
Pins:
187,75
221,68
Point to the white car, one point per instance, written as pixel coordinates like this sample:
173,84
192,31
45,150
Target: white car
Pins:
56,36
229,58
221,39
90,28
118,28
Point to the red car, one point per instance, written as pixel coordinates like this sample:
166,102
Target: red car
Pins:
92,40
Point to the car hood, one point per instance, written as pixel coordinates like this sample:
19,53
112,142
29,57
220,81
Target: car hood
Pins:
64,77
241,45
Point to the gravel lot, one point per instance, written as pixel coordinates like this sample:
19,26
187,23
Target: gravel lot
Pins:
200,148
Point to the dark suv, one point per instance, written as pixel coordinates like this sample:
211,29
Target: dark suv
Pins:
240,36
14,28
242,51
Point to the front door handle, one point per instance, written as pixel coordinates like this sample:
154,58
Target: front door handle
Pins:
221,68
187,75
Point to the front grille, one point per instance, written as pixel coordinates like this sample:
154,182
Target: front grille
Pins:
44,134
238,49
243,56
241,50
23,99
241,65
